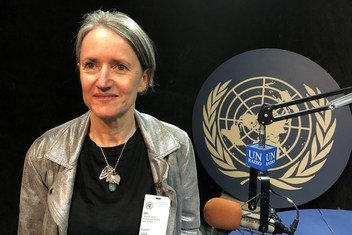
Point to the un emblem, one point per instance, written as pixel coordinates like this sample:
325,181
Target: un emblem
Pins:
225,121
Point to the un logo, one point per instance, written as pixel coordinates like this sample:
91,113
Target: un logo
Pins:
225,121
232,114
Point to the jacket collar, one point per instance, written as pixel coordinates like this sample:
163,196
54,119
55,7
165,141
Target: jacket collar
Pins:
159,140
70,137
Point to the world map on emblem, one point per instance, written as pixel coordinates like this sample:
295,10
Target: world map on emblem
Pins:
238,125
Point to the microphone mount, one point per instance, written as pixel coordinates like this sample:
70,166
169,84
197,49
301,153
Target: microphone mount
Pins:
266,117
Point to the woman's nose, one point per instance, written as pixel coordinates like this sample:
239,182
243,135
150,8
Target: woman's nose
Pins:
104,80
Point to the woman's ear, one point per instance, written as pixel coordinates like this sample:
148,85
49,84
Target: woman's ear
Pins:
144,83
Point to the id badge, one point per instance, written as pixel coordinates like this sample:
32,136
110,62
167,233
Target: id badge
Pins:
155,215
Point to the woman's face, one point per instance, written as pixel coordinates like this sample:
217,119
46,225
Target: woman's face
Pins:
111,74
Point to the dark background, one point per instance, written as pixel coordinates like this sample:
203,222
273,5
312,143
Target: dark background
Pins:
40,87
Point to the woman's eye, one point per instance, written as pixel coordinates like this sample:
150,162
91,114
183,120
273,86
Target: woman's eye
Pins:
89,65
120,67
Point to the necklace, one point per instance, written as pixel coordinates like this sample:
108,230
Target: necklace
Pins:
110,173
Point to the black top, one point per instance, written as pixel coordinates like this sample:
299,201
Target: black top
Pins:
96,210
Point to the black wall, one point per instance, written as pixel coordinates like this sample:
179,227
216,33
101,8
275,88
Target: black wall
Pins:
40,87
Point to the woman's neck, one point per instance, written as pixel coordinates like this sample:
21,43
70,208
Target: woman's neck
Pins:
109,133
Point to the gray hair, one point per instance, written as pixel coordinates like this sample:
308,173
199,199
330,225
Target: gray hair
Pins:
127,28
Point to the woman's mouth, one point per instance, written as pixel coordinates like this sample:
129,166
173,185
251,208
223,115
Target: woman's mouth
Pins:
105,97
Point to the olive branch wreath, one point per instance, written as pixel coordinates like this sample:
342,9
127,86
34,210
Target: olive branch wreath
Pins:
302,171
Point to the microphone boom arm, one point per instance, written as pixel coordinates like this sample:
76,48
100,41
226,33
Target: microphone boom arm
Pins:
266,117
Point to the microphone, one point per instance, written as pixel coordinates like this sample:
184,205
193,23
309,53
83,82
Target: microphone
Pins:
228,215
223,214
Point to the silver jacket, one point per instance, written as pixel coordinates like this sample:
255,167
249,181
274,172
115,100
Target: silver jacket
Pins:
50,168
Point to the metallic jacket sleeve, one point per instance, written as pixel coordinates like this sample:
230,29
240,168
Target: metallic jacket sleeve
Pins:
33,199
190,204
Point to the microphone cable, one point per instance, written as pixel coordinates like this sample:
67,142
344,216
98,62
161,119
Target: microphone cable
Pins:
248,212
293,227
279,226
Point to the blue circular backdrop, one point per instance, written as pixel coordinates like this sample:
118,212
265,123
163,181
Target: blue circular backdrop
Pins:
312,150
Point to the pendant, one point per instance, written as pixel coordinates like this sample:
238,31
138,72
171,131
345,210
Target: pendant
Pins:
113,179
112,187
108,170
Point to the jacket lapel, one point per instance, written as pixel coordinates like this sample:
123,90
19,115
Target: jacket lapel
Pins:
159,140
160,143
65,152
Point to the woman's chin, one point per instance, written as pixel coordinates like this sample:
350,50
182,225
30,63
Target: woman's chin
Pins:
107,115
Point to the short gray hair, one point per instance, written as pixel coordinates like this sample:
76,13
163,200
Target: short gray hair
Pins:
127,28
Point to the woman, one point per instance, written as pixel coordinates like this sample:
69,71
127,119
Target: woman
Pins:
90,175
